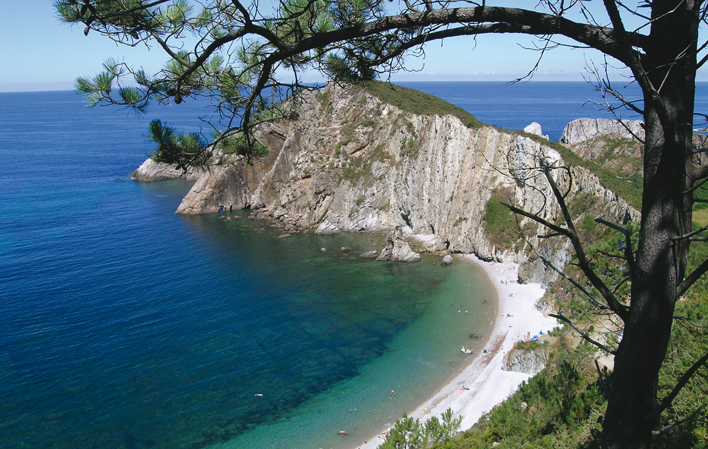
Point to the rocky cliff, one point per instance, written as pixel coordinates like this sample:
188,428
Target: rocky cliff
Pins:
353,162
585,129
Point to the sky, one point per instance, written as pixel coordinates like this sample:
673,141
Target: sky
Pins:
41,53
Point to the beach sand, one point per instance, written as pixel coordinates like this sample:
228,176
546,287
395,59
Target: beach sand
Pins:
488,385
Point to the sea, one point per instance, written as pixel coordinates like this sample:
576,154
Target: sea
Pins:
125,325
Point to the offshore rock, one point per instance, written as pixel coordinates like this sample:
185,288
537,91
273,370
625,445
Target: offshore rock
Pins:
535,128
447,260
369,254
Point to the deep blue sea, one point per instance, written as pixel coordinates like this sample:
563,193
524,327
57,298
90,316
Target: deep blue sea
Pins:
124,325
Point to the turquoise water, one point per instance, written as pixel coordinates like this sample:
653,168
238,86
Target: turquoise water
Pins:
358,299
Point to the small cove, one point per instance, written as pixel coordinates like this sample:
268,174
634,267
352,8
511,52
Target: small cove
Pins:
357,300
127,326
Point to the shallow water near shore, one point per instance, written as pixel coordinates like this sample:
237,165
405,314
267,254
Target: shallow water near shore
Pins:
437,310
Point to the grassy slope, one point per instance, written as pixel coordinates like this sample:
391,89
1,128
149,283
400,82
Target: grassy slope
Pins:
417,102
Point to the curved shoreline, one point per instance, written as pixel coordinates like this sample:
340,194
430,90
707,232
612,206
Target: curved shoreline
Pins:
488,385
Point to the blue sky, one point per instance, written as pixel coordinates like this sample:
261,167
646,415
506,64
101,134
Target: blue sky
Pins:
41,53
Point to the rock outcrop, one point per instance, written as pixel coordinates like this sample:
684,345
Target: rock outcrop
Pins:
326,229
535,270
159,171
586,129
351,162
535,128
526,360
396,249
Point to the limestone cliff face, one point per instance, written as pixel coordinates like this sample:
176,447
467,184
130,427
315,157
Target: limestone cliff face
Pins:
352,163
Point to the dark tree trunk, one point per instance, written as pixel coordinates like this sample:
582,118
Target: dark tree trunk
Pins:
666,214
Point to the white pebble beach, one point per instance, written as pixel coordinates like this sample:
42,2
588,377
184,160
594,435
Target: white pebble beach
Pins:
482,384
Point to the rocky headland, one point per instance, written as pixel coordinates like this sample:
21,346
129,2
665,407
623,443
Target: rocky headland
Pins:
352,161
381,158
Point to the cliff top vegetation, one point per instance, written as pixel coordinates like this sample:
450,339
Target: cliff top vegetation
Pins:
416,102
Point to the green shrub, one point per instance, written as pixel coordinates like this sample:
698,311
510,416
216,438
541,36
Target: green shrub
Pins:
409,433
500,224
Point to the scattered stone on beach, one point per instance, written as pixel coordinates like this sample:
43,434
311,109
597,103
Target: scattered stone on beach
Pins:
447,260
324,250
345,249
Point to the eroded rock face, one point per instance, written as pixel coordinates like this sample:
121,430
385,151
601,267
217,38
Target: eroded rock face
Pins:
396,249
585,129
352,163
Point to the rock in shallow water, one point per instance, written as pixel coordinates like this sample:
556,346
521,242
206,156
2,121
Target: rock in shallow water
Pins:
397,250
326,229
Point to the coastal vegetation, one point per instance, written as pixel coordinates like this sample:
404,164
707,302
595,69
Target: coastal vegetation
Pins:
182,150
240,49
410,433
500,223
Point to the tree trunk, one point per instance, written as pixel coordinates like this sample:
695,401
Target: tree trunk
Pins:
666,214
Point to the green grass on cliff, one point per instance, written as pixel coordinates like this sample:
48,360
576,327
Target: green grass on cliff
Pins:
416,102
